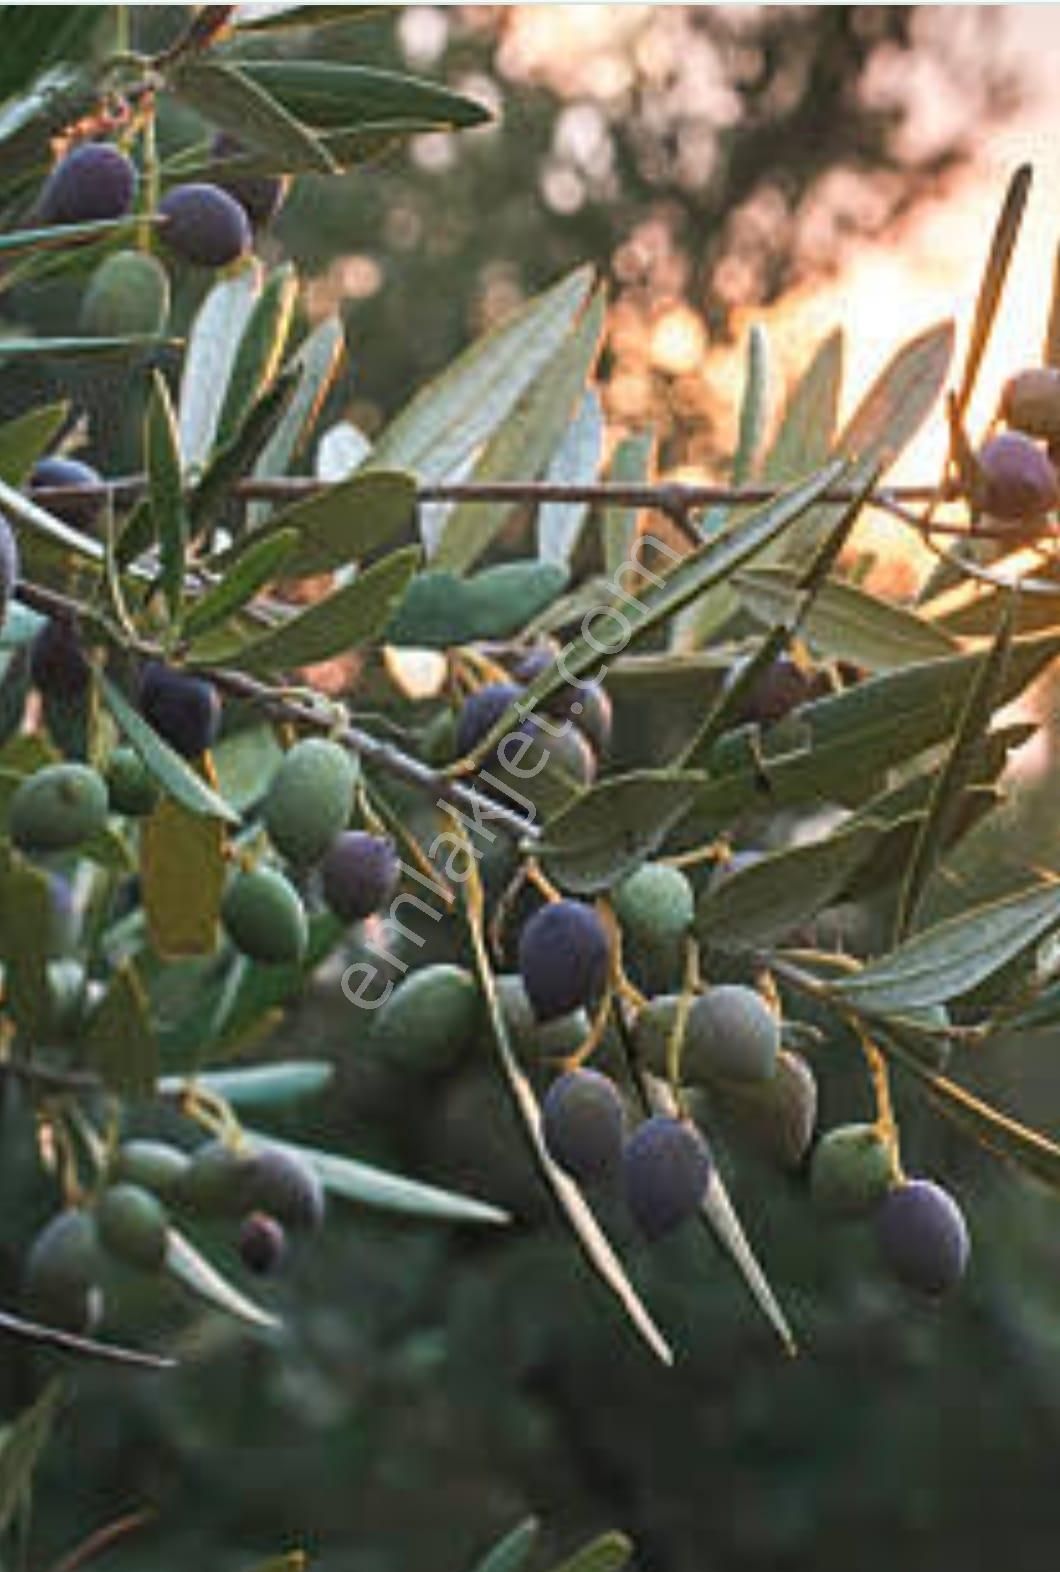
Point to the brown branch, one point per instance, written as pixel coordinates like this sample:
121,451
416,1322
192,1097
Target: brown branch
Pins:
103,1538
278,705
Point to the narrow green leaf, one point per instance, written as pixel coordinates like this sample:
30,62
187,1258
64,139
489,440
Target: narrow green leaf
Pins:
275,15
213,341
26,437
68,348
261,349
590,1237
669,593
171,772
510,1553
119,1040
24,242
763,902
348,619
886,420
1029,1150
439,610
167,494
257,1085
194,1272
230,97
452,416
80,1347
721,1216
806,431
846,742
955,775
991,287
844,623
341,523
521,447
953,957
327,95
575,463
262,562
182,877
754,406
316,363
611,828
607,1553
21,1446
370,1186
228,465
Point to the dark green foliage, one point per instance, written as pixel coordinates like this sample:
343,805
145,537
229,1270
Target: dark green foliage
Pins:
128,293
58,808
94,181
852,1170
185,710
264,917
564,955
923,1237
152,1165
81,512
59,1285
132,1226
260,196
262,1244
285,1187
204,225
731,1035
309,799
1018,481
666,1170
8,564
130,788
583,1122
57,663
359,874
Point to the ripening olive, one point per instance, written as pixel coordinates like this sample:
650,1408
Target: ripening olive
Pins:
666,1170
59,807
430,1019
132,1226
262,1243
204,225
184,709
923,1237
310,799
263,915
128,294
583,1124
564,955
94,181
1018,481
131,789
851,1170
731,1035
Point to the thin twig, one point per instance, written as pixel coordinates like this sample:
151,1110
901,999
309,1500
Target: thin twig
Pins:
103,1539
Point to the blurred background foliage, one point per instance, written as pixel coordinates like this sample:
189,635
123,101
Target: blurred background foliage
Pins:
435,1385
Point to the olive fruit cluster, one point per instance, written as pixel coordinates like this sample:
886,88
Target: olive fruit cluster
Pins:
203,223
571,728
664,1165
266,1190
306,811
920,1229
